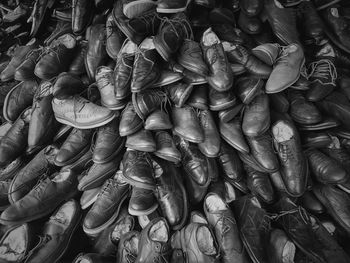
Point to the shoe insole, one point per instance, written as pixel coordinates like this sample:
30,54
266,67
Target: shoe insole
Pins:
288,252
159,232
214,203
282,132
13,246
197,217
122,228
210,38
147,44
205,241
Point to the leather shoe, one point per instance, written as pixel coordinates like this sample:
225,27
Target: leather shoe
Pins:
232,133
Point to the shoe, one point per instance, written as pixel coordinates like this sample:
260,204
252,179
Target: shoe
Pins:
179,92
167,77
25,70
279,102
326,123
197,242
61,28
135,8
107,206
43,199
154,242
199,98
138,170
190,56
166,148
280,247
77,111
302,111
210,147
38,14
282,21
56,58
171,34
57,233
77,67
194,78
9,172
239,54
108,143
96,54
97,174
82,12
231,165
128,247
18,99
89,197
248,87
4,187
310,202
286,70
187,124
337,152
76,144
158,120
323,75
220,217
66,84
14,143
267,53
293,164
130,122
141,141
167,6
256,119
301,84
250,25
221,77
171,193
325,169
221,100
146,70
123,70
232,133
142,202
316,140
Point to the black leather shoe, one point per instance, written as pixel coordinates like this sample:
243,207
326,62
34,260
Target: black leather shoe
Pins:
211,145
232,133
199,97
130,122
82,11
248,88
310,202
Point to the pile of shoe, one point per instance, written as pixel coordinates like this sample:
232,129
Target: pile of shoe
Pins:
175,131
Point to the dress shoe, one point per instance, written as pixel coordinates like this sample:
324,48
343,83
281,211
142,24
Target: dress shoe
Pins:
43,199
107,206
294,168
239,54
141,140
194,78
326,123
171,193
23,235
146,70
315,140
108,142
221,100
221,77
250,25
76,144
254,227
310,202
154,242
187,124
81,15
191,57
337,152
9,172
282,22
148,101
138,170
77,67
66,84
167,77
237,69
56,58
14,142
128,247
25,71
96,53
281,248
329,51
18,99
211,145
142,202
130,122
301,84
89,197
114,37
248,88
19,55
57,233
81,113
82,164
179,92
138,28
232,133
135,8
158,120
231,165
230,113
221,218
325,169
98,173
279,102
336,202
171,34
256,119
198,243
267,53
166,148
302,111
286,70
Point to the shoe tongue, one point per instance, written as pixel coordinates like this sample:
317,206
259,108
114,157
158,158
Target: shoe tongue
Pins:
335,12
129,47
67,40
210,38
214,203
159,232
62,176
147,44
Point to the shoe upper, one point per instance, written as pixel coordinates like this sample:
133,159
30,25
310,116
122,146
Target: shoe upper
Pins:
211,144
81,15
232,133
130,122
67,84
128,247
166,148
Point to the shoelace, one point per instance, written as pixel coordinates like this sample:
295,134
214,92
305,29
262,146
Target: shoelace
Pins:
130,257
183,23
149,19
286,152
323,69
105,79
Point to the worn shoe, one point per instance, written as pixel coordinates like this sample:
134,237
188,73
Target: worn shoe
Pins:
179,92
280,247
25,71
141,140
130,122
81,113
210,147
268,53
142,202
148,101
66,84
302,111
77,67
135,8
232,133
128,247
167,77
82,11
158,120
221,100
286,70
248,87
166,148
199,98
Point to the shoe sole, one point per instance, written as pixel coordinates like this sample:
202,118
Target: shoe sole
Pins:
141,148
96,181
97,230
114,107
138,184
327,5
185,96
189,66
320,142
135,5
198,105
302,121
62,133
169,157
86,126
132,131
6,102
231,113
143,212
190,139
173,10
223,106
